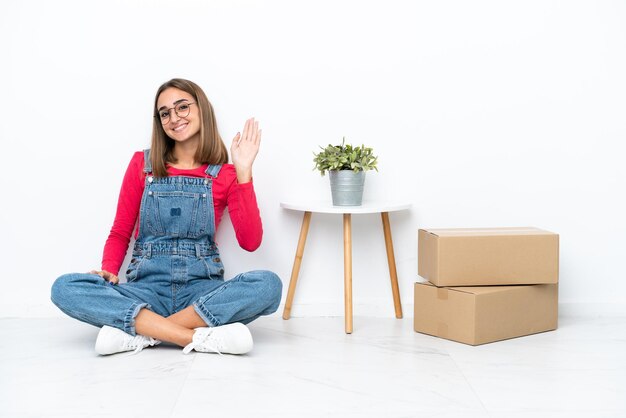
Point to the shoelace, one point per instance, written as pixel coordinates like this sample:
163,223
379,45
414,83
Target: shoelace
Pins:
138,342
204,342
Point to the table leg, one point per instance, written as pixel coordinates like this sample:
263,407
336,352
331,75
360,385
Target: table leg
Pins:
392,265
347,269
304,230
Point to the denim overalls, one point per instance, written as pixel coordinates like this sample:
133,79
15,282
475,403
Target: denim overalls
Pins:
175,264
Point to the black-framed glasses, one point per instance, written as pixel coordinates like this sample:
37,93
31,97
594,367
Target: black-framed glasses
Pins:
182,110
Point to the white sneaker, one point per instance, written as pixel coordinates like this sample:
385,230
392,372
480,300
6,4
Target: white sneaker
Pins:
226,339
112,340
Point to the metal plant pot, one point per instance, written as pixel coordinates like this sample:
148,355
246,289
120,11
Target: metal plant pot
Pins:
347,187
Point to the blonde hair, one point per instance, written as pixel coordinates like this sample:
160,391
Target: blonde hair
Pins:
211,149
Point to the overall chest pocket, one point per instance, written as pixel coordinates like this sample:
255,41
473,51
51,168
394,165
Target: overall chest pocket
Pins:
177,214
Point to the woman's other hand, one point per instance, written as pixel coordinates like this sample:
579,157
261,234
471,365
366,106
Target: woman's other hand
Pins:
244,150
109,277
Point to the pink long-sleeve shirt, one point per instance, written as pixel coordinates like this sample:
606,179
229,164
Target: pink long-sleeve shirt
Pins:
240,199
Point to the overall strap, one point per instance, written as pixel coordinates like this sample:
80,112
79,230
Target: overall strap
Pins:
147,162
213,170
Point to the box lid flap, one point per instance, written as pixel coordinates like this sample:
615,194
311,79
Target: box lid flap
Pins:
461,232
484,290
475,290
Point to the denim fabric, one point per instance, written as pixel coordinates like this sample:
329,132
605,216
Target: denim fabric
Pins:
175,264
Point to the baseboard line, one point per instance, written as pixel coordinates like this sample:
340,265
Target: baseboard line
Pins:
376,310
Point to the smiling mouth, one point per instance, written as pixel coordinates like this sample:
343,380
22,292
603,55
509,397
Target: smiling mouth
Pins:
180,127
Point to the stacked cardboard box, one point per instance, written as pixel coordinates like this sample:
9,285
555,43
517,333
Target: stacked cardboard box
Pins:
486,284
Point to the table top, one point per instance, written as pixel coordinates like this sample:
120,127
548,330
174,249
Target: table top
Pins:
327,206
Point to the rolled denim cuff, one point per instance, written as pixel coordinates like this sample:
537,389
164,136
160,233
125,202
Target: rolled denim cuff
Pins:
129,320
206,316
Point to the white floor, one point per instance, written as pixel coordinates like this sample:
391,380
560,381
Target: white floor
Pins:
308,367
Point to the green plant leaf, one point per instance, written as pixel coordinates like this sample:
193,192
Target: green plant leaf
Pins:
344,157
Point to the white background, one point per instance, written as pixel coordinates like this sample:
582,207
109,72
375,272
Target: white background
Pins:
482,113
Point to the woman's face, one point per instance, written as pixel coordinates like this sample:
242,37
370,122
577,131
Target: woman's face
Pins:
179,115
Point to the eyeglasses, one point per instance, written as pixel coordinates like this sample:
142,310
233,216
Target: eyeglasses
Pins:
182,110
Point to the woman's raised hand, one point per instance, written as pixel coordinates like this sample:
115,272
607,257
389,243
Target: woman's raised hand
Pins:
244,150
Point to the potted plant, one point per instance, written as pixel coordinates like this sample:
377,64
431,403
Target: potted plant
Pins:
346,166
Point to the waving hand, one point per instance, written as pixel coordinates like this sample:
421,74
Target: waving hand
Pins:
244,150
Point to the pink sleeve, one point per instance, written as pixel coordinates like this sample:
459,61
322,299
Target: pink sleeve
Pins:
128,206
245,216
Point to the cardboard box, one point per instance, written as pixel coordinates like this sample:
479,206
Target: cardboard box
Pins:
482,314
488,256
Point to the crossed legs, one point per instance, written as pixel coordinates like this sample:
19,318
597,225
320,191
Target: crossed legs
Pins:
88,298
177,328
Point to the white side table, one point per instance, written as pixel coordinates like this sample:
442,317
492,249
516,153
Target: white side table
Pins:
326,207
